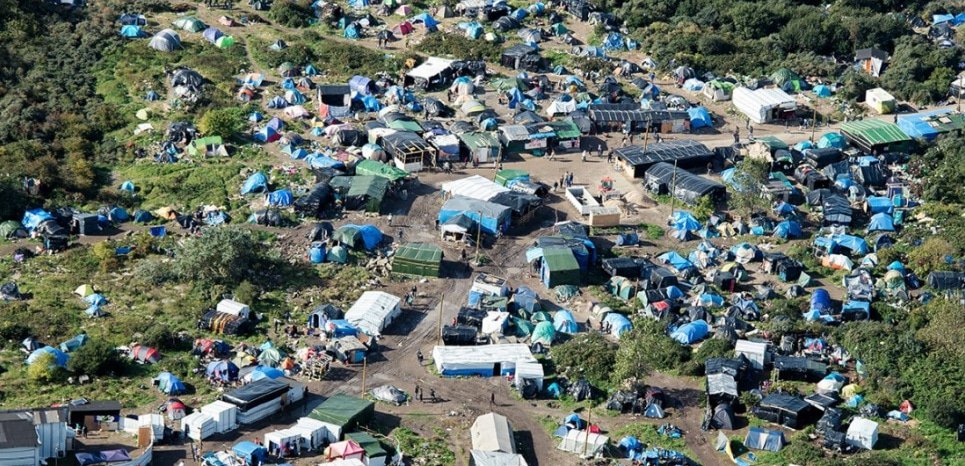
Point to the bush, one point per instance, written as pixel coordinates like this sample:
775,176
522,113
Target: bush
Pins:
154,271
930,256
246,293
587,355
12,333
97,357
647,347
224,122
223,256
459,47
289,13
44,369
160,336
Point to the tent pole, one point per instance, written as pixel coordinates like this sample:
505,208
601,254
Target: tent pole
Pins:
814,123
365,361
478,236
673,187
589,420
441,308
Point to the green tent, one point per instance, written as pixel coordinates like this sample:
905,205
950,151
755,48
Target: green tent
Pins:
338,254
199,147
347,234
621,287
370,190
783,76
344,411
558,29
270,357
503,177
505,84
371,445
773,142
10,228
418,259
376,168
224,42
190,23
541,316
559,267
405,124
544,333
524,328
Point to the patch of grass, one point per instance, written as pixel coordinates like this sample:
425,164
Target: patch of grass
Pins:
654,232
187,185
459,47
432,450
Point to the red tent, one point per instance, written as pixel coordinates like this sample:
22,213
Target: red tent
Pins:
145,354
403,28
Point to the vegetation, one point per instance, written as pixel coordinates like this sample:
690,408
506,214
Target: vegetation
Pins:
588,356
223,256
291,13
750,175
460,47
647,347
96,357
44,369
225,122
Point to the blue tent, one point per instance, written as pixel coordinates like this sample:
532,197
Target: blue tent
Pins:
675,260
788,229
785,209
881,222
222,370
169,384
564,322
280,198
759,438
288,84
425,18
142,216
352,32
34,217
821,300
574,421
711,300
554,390
613,41
690,332
879,205
855,245
250,450
341,328
822,91
316,253
275,123
74,343
132,32
255,117
519,15
96,299
631,445
371,103
118,214
255,183
323,161
618,323
265,372
358,3
700,118
277,102
361,85
310,70
942,18
685,221
267,135
835,140
856,310
60,357
803,146
127,186
896,265
152,96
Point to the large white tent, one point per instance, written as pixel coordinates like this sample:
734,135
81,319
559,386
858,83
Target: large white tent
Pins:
374,311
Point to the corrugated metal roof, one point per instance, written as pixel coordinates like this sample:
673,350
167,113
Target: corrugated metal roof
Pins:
666,151
873,132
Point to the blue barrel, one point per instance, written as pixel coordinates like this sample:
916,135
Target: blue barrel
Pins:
316,253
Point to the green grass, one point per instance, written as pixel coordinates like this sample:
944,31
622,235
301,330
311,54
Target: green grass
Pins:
432,450
647,434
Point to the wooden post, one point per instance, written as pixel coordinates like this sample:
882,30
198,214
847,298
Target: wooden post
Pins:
441,309
673,187
958,100
814,123
646,138
478,236
365,361
589,419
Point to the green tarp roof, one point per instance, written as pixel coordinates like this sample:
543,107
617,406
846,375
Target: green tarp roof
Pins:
418,259
560,258
565,129
479,140
874,132
509,174
371,445
367,185
376,168
405,125
724,85
773,142
343,410
783,76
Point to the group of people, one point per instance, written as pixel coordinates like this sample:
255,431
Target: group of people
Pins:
566,180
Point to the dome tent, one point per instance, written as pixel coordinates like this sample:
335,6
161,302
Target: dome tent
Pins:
165,41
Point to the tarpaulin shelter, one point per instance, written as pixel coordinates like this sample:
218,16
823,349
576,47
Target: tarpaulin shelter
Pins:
190,24
691,332
169,384
354,236
783,409
617,323
144,354
700,118
663,177
759,438
132,32
255,183
374,311
222,370
876,136
764,105
881,222
251,452
102,457
492,218
862,433
558,266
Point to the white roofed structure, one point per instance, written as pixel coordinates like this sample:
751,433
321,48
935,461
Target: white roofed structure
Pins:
232,307
430,68
763,105
495,458
486,361
755,352
473,187
583,442
374,311
492,432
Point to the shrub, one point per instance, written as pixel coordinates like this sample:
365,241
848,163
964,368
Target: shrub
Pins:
289,13
930,255
224,122
160,336
224,255
44,369
587,355
154,271
97,357
459,47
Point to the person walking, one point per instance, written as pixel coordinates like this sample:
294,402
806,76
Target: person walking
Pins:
599,151
737,135
583,156
432,394
419,357
492,399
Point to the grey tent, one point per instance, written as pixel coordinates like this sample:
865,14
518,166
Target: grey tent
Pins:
686,154
186,77
946,280
166,41
723,417
759,438
787,410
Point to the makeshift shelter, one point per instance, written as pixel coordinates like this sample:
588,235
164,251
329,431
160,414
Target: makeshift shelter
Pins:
409,151
759,438
685,153
131,31
862,433
754,352
342,413
418,259
486,361
662,178
492,432
367,237
374,311
144,354
583,442
491,218
558,265
431,73
787,410
788,80
876,136
700,118
690,332
250,452
880,100
190,24
59,357
169,384
764,105
928,126
521,57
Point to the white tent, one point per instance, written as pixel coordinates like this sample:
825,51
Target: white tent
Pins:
230,306
314,433
280,439
166,41
430,68
486,361
473,187
496,458
582,441
862,433
529,370
495,322
755,352
344,462
559,107
224,414
492,432
374,311
763,105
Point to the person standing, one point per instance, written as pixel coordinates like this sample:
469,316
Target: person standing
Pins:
492,399
599,151
583,156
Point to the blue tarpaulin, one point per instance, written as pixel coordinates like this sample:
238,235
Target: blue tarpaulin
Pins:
169,384
700,118
249,450
675,260
34,217
821,300
788,229
564,322
60,357
619,324
881,222
257,182
280,198
835,140
690,332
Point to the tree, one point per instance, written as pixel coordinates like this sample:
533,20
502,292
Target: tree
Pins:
96,357
942,171
106,254
750,175
293,14
647,347
588,355
246,292
223,256
224,122
160,336
930,256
